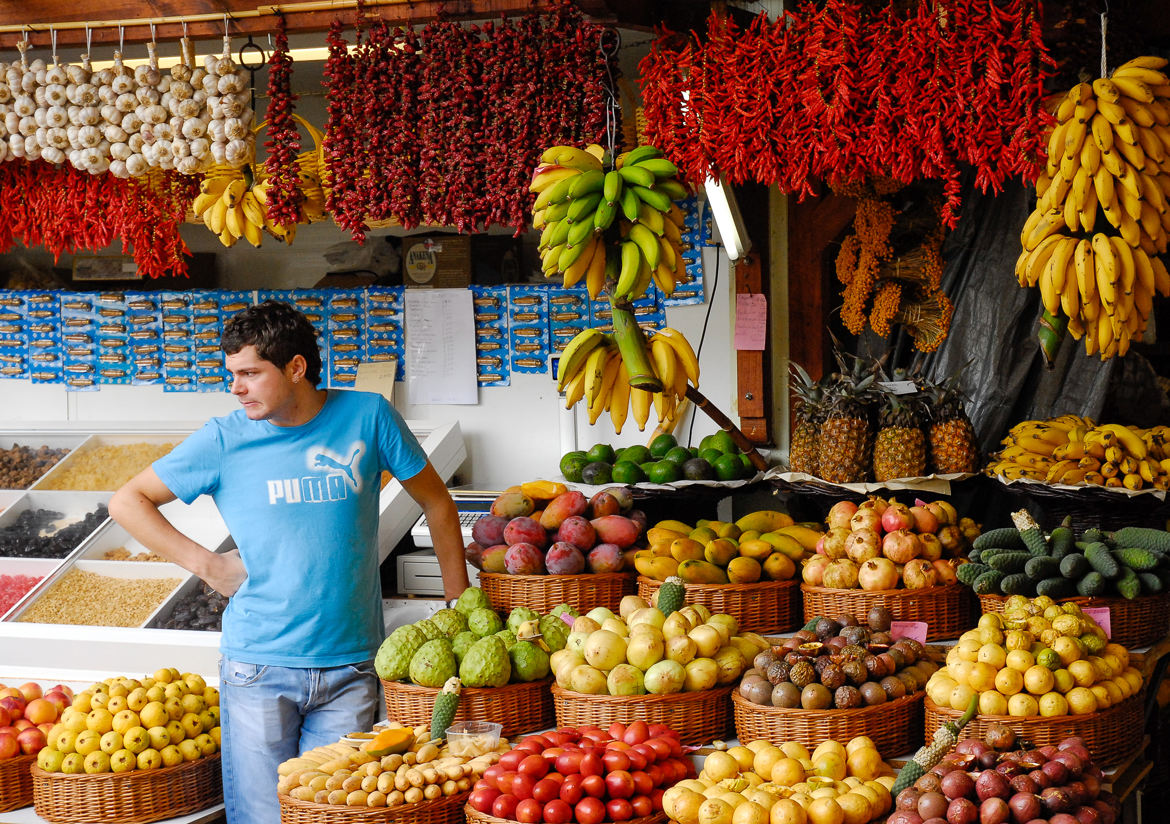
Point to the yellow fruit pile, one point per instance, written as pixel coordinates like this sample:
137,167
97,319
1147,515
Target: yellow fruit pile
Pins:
1109,154
1038,658
760,783
344,775
125,724
761,545
1075,450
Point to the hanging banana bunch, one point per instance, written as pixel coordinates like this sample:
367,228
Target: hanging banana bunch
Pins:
579,200
233,202
1093,243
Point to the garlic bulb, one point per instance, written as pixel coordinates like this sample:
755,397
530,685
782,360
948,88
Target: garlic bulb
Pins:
12,123
162,148
24,105
89,136
118,169
234,129
5,93
149,74
200,148
126,102
79,74
55,95
183,165
236,152
90,158
163,131
4,151
110,114
58,138
28,82
41,135
88,116
107,95
147,95
188,108
199,96
39,97
232,84
32,149
56,116
52,155
16,145
56,75
215,131
211,84
100,168
155,114
218,151
181,90
182,69
136,165
103,78
194,127
146,131
28,125
131,123
232,106
135,142
118,148
180,148
41,117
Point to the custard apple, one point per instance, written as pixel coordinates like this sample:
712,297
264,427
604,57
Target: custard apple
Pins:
484,622
472,599
486,664
519,615
449,621
433,664
529,662
507,636
392,662
564,609
554,631
462,642
429,630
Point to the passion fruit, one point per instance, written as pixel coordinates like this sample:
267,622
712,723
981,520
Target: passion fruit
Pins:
855,672
786,695
879,619
833,676
802,674
847,620
872,693
764,660
816,697
847,698
893,687
778,672
811,649
826,628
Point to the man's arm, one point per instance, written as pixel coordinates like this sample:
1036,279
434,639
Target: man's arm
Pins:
135,508
429,491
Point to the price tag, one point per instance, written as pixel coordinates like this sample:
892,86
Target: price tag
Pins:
899,387
1101,616
915,630
567,618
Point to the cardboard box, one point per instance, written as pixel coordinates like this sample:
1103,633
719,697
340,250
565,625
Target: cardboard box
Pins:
436,261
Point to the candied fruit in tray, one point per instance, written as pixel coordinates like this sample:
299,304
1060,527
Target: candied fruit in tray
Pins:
106,468
21,465
31,534
201,609
13,588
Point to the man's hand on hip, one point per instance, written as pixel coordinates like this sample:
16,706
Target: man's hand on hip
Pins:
226,573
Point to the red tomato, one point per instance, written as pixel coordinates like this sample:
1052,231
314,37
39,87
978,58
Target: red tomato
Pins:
545,790
638,760
533,765
619,810
483,784
619,784
660,746
571,789
615,760
530,748
656,799
550,755
505,806
658,730
569,762
557,812
643,783
504,781
555,776
655,773
592,765
510,760
647,751
529,811
593,785
617,745
482,800
586,729
616,730
522,786
636,733
589,811
493,772
642,806
595,738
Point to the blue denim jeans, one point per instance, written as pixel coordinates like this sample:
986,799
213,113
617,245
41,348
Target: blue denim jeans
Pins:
270,714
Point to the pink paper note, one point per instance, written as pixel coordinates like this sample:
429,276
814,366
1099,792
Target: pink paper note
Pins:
751,322
909,629
1101,616
567,618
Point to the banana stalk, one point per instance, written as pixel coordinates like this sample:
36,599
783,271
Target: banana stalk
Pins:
1050,334
635,350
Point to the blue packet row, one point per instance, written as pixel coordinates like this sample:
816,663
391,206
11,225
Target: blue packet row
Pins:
13,335
46,362
568,315
79,332
528,315
384,334
178,342
344,314
144,320
489,306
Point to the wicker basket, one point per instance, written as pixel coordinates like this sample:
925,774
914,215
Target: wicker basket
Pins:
445,810
520,708
1141,622
1111,735
474,816
128,798
543,592
16,782
946,610
698,717
765,606
895,727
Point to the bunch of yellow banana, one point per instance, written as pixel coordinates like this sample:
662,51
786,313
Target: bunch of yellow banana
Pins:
1103,214
578,200
233,203
591,369
1078,451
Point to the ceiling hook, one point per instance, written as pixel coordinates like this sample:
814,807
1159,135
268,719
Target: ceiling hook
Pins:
152,33
53,42
122,39
226,33
88,38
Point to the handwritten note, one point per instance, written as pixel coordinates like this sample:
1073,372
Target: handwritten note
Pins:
1101,616
440,347
915,630
751,322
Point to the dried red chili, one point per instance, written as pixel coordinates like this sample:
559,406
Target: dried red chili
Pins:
283,142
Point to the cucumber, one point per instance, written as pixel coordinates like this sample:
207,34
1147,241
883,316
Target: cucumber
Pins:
1092,535
1074,566
967,573
1151,583
988,583
1018,583
1007,537
1061,542
1128,584
1136,558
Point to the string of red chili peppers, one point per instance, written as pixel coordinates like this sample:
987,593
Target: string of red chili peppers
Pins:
283,142
841,93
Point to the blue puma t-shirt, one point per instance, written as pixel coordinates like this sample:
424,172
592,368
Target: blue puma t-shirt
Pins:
302,505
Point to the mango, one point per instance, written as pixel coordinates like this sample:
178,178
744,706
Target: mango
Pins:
765,520
661,549
702,534
513,505
543,490
755,548
674,526
616,529
720,551
686,549
724,529
779,567
805,536
701,572
563,507
749,535
655,567
743,570
786,544
658,534
493,559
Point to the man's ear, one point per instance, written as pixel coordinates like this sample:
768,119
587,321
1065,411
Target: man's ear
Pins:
296,368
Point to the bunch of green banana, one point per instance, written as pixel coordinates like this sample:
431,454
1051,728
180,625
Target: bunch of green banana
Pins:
1103,214
578,200
591,369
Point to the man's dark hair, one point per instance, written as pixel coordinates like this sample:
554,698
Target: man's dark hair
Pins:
279,332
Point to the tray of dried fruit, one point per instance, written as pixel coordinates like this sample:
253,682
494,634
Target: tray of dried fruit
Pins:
26,458
19,576
105,462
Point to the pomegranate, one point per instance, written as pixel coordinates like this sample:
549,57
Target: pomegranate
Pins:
945,570
814,570
840,574
875,502
924,520
931,546
951,539
919,574
863,545
834,543
866,519
877,574
901,546
897,516
840,513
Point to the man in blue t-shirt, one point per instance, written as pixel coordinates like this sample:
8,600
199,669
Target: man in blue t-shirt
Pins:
296,475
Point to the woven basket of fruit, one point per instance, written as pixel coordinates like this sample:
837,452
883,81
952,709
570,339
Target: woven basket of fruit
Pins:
763,606
544,592
16,782
946,610
476,817
520,708
132,797
1111,735
698,717
443,810
1137,622
894,726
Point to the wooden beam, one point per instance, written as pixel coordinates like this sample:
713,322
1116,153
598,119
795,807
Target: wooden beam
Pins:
750,371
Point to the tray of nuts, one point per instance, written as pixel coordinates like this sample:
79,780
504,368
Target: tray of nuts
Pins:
24,459
102,593
105,462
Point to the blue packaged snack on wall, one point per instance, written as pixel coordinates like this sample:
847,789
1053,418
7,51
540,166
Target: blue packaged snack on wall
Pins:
384,334
144,337
113,337
13,335
490,309
344,310
46,360
178,342
79,332
528,328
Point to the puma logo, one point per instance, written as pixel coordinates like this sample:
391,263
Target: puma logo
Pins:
335,484
322,460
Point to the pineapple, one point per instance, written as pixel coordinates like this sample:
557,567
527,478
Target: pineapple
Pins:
807,419
845,444
952,436
900,448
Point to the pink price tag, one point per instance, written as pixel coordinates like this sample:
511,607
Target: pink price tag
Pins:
567,618
915,630
1101,616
